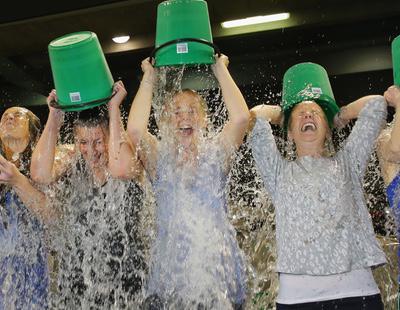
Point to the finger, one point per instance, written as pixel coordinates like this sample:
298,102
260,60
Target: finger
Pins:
3,160
4,164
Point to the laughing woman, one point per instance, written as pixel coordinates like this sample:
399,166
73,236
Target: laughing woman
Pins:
196,260
325,239
23,262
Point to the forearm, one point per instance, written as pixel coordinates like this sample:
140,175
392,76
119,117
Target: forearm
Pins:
393,144
270,113
360,143
238,112
140,109
268,159
122,163
42,162
33,199
352,110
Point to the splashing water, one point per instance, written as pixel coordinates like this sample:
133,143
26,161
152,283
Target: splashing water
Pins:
195,258
116,247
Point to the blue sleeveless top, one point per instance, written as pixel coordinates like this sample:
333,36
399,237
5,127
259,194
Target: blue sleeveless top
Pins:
393,195
23,261
195,255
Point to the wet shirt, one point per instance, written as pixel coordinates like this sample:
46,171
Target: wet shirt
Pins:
393,195
322,223
195,256
101,261
23,261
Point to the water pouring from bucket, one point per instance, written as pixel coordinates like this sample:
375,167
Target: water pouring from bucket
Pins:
81,75
183,34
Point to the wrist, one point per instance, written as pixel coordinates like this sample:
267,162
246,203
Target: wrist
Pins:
396,105
18,180
114,109
55,117
148,76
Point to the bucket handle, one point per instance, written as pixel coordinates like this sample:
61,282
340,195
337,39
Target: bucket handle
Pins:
55,104
155,50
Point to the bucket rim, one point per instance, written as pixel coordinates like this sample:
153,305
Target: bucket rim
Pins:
80,106
87,39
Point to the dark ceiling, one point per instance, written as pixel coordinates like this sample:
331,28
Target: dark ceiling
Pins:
350,38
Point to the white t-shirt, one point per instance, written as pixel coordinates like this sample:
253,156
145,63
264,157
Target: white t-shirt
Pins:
295,289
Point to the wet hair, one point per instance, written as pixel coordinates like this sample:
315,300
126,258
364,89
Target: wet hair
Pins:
34,128
92,118
171,96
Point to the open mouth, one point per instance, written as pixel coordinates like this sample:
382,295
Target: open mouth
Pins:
308,127
186,130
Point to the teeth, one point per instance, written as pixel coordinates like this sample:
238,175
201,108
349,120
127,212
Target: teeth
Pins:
307,126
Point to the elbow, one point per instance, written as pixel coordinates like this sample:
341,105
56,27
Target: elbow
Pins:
38,175
134,134
242,120
377,100
120,174
394,150
123,172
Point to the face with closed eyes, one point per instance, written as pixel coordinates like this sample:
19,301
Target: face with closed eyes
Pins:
14,124
308,124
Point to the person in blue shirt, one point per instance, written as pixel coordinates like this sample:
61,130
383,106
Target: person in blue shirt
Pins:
389,157
23,261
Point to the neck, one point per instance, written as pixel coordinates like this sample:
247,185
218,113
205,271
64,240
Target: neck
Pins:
99,176
186,153
309,149
14,146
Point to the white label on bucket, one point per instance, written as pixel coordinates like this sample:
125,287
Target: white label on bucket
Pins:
182,48
75,97
316,90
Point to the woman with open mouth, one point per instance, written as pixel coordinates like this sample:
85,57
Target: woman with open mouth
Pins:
325,240
196,260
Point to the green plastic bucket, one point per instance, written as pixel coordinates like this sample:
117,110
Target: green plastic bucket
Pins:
396,60
81,75
183,34
308,81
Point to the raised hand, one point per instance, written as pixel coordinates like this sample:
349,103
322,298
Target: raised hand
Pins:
119,94
221,63
9,173
56,114
392,96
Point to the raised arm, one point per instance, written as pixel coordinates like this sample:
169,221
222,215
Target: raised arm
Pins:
270,113
359,144
31,197
138,120
268,159
238,114
44,168
391,145
351,110
389,140
122,162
